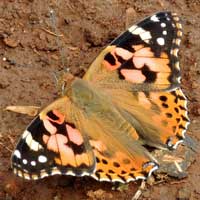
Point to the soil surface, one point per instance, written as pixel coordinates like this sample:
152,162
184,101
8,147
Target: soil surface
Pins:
30,55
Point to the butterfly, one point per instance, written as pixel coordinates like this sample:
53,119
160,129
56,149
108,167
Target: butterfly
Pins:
128,100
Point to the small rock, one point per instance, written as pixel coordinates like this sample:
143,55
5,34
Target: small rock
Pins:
55,57
11,42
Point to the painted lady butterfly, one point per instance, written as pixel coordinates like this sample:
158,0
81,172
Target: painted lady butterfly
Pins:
130,98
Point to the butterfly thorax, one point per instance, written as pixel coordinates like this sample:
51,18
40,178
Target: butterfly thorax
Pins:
87,96
96,104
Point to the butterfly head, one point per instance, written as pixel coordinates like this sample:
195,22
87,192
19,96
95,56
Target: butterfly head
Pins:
63,82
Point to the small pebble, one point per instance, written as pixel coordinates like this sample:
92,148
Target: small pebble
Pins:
10,42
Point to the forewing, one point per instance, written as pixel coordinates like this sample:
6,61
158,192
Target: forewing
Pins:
142,58
53,144
140,72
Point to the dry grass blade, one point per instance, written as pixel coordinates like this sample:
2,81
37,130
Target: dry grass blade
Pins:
27,110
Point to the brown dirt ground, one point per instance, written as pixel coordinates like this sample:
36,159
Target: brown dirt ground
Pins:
29,56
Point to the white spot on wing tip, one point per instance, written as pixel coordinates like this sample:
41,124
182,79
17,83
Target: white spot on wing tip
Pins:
17,154
137,30
146,35
160,41
33,163
33,144
154,18
25,133
163,25
24,161
164,32
132,28
42,159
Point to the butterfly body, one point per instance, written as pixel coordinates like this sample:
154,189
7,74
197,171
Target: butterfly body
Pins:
130,97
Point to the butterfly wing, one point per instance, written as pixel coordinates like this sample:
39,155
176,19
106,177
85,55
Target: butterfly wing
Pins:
141,62
142,66
52,144
119,155
160,118
64,139
142,58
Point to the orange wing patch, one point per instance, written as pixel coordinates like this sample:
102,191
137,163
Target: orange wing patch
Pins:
119,167
173,118
143,63
63,143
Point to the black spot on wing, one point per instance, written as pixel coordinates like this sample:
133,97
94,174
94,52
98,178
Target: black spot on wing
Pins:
71,124
150,75
77,149
184,118
182,127
109,58
97,175
111,171
109,176
51,115
122,178
61,128
115,164
169,115
37,130
165,105
128,64
125,65
163,98
127,40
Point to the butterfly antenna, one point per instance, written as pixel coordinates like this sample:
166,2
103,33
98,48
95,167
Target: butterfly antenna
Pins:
58,41
61,84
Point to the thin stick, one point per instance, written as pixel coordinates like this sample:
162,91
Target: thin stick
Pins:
139,191
52,33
